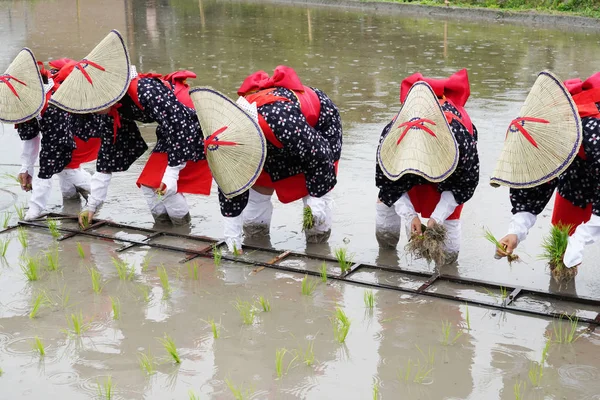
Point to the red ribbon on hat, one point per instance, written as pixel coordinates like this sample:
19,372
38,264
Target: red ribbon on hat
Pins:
7,78
585,94
283,76
213,140
517,124
67,68
418,124
114,113
455,89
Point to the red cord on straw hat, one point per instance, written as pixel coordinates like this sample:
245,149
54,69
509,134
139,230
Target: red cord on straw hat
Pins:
213,140
518,124
79,66
415,123
7,78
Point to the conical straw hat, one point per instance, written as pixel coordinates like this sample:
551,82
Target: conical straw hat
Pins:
544,140
238,161
420,141
98,81
21,89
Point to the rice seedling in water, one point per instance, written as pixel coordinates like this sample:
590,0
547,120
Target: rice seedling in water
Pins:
467,318
341,325
193,395
308,286
308,221
65,296
279,356
164,281
31,267
236,252
96,280
503,292
4,246
145,292
124,270
566,335
517,390
5,218
40,300
238,394
369,298
22,236
85,221
416,372
170,347
264,303
20,211
53,227
536,370
105,390
80,251
308,355
491,238
324,272
38,347
554,247
217,255
146,263
116,308
11,177
76,324
246,310
343,258
446,334
147,363
193,270
1,371
216,331
375,390
52,259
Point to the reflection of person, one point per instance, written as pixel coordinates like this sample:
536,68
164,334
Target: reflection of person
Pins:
557,140
427,161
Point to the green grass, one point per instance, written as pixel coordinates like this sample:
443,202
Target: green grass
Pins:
40,300
308,221
279,357
369,299
5,219
264,304
105,390
76,325
238,393
447,338
96,280
246,310
308,286
38,346
147,363
4,246
344,259
341,325
170,347
324,272
125,271
22,236
52,259
217,255
20,210
31,267
193,270
80,251
53,227
555,244
116,308
164,281
565,334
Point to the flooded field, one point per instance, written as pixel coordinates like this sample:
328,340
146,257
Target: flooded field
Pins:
408,347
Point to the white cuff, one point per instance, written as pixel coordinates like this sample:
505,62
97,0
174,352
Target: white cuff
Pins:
444,208
520,224
585,234
99,185
29,154
233,230
170,178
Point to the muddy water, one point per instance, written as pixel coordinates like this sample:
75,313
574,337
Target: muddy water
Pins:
359,60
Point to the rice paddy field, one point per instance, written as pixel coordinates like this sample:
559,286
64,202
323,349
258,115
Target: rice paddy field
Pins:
79,319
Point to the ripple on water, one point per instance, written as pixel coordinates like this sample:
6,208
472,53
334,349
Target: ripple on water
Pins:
510,360
303,388
63,378
576,376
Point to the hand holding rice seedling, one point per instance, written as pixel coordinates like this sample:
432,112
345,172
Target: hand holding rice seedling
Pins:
429,244
554,247
501,248
308,220
84,219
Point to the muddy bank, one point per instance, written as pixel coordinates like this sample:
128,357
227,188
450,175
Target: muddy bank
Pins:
459,13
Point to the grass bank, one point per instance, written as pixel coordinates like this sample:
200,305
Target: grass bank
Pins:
587,8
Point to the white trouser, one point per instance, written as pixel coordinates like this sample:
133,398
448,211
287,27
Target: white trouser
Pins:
257,214
75,181
40,192
322,211
387,225
173,207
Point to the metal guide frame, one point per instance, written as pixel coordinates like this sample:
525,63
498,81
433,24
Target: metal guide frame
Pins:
508,304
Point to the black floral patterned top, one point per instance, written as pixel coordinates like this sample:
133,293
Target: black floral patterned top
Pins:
462,182
307,150
579,184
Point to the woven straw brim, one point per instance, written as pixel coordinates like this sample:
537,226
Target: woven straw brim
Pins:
29,100
521,163
419,153
79,96
235,168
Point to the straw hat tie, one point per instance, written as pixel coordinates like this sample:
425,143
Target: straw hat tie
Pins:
7,78
416,123
112,112
519,124
212,142
79,65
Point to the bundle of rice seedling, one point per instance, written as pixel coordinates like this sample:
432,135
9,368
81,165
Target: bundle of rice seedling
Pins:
429,245
510,257
308,221
85,223
555,246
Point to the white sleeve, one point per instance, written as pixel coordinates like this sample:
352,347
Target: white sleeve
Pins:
99,185
405,209
585,234
170,178
29,154
444,208
520,224
234,228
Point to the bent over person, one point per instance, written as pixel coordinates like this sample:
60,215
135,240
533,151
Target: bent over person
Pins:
427,161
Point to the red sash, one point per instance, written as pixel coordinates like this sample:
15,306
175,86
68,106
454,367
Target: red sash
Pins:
85,152
566,213
426,197
194,178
